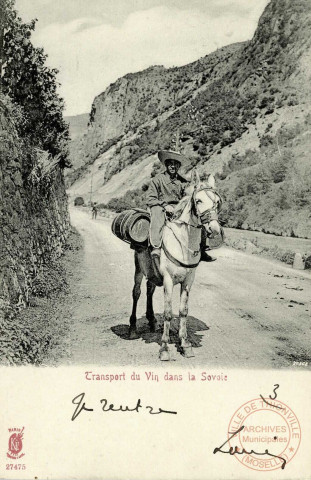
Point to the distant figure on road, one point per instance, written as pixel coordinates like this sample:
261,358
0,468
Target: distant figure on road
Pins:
94,211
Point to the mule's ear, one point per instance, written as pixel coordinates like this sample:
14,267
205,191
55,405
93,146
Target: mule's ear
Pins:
211,181
195,177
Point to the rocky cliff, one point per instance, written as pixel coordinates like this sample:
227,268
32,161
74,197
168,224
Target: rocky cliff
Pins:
139,102
33,212
224,105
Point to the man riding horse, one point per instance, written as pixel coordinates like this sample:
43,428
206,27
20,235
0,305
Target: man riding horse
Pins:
177,245
165,191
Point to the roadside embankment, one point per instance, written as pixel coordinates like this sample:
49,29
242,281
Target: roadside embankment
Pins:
280,248
36,333
33,211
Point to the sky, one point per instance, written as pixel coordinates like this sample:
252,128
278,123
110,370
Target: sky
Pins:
94,42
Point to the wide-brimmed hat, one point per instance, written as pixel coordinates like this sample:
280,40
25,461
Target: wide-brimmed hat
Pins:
170,155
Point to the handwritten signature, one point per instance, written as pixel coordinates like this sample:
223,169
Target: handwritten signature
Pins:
80,406
236,450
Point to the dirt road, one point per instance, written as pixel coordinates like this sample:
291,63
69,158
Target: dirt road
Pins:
245,311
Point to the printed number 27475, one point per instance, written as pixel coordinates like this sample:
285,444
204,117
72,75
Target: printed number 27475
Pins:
16,466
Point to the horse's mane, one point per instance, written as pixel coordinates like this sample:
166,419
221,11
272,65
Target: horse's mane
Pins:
189,193
181,206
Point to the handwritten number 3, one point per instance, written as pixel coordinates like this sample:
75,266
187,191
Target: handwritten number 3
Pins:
274,391
272,398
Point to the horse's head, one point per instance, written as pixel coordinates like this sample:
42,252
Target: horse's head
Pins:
200,205
206,203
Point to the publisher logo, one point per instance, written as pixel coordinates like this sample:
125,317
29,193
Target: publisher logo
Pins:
15,446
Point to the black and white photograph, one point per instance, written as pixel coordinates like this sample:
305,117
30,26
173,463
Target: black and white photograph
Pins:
155,229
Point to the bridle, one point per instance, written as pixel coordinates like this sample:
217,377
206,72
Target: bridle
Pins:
211,213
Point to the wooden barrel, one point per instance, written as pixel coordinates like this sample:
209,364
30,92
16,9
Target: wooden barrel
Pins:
132,226
117,222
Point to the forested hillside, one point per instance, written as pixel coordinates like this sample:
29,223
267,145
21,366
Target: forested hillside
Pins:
134,108
245,108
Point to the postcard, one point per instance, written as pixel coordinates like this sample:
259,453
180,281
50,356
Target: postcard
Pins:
155,241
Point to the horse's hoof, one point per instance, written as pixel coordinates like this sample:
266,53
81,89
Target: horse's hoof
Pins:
133,334
187,352
164,355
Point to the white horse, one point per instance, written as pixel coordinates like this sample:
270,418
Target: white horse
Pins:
180,255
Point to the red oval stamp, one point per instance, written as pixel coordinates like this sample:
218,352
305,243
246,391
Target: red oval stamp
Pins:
15,443
264,435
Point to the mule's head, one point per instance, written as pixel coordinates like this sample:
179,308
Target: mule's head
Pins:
207,203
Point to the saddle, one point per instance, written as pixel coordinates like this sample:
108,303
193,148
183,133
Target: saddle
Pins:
180,253
172,244
132,226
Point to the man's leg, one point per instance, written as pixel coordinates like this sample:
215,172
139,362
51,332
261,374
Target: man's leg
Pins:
157,216
205,257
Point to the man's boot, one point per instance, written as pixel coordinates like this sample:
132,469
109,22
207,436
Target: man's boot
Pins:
205,257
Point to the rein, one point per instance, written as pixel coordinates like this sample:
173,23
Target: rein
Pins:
205,217
177,262
185,223
193,252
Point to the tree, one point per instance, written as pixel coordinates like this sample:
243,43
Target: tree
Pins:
5,8
31,84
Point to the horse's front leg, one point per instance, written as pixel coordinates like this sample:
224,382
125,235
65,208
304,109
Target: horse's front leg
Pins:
168,314
186,346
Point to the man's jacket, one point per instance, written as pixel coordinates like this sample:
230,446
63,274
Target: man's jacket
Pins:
164,191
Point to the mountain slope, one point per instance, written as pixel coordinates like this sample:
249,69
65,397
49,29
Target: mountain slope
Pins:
222,105
77,124
138,101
